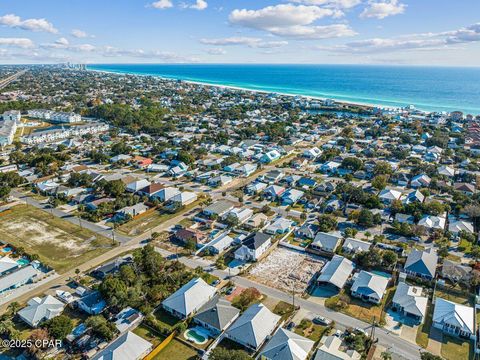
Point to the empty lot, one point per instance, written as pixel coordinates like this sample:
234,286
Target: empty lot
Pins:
286,269
58,243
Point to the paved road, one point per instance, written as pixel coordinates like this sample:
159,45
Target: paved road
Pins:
107,232
392,341
8,80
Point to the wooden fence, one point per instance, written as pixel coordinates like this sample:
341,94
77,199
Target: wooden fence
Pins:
160,347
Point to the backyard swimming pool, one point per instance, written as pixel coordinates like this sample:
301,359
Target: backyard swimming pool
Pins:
197,335
7,249
23,262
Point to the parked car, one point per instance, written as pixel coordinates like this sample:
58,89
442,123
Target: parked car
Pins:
322,320
230,291
216,282
291,325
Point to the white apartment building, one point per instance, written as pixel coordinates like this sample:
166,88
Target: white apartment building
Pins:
63,133
55,116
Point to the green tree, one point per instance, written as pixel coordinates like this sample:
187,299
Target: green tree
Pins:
379,182
59,327
220,353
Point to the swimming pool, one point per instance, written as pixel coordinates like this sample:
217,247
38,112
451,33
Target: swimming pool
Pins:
6,249
197,335
23,261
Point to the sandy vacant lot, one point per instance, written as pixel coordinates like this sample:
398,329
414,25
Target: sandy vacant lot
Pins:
285,269
57,242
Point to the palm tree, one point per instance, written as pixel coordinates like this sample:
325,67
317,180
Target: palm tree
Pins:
13,307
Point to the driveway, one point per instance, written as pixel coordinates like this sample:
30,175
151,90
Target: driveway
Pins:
435,341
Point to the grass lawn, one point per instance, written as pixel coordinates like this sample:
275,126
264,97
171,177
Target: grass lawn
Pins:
444,293
58,243
283,309
465,246
148,334
144,223
424,329
208,278
357,308
165,318
176,350
454,348
310,330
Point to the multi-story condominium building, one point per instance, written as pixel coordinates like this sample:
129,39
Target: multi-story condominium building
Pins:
63,133
7,131
13,115
55,116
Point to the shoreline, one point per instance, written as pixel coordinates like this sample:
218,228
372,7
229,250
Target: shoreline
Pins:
222,86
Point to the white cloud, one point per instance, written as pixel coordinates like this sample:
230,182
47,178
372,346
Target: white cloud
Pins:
17,42
62,41
290,20
247,41
14,21
383,9
216,51
80,34
199,5
162,4
428,41
340,4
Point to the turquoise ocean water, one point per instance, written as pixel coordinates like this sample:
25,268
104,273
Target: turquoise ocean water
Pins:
428,88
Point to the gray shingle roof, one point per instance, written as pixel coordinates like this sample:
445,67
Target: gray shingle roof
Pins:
218,312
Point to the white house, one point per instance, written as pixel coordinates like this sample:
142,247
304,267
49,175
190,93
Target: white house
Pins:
454,319
253,247
369,287
39,310
253,327
189,298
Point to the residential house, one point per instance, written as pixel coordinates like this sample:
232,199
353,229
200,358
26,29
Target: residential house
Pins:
189,298
326,242
307,231
336,272
422,263
331,349
131,211
353,246
273,192
369,287
466,188
41,309
414,196
137,185
387,196
455,226
253,327
92,303
166,194
7,265
219,244
253,247
216,315
256,221
255,188
279,226
218,208
241,214
285,344
291,196
456,272
431,222
184,198
127,346
454,319
187,236
421,180
409,301
128,319
18,278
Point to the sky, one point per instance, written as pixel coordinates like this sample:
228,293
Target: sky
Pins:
387,32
